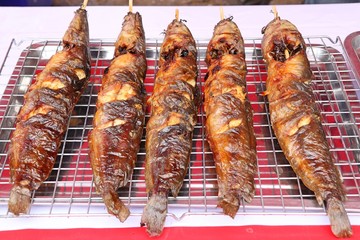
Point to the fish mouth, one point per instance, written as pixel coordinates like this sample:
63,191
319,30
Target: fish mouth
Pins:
284,46
284,49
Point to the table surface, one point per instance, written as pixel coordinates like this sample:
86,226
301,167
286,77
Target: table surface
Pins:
105,23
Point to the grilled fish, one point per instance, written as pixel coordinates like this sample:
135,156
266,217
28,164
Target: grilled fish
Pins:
119,119
296,119
170,127
43,119
229,122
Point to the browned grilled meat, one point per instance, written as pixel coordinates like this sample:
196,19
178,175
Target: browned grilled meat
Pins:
229,122
296,119
170,127
43,119
119,119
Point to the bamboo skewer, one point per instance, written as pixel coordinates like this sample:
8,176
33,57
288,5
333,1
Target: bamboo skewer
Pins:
274,11
84,4
130,5
177,14
221,13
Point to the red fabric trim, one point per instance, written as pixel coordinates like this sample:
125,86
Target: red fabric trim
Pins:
181,233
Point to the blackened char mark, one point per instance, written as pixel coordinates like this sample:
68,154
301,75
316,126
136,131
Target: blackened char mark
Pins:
125,110
177,103
126,76
216,69
59,100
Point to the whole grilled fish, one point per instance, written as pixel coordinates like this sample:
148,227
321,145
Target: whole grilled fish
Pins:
43,119
296,119
170,127
229,123
119,119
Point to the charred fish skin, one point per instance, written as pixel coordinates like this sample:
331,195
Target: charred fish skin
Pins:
229,122
120,116
296,120
43,119
170,127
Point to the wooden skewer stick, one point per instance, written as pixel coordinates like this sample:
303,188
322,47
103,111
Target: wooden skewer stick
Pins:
177,14
130,5
274,11
221,13
85,2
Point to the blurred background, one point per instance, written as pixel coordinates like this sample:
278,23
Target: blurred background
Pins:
163,2
179,2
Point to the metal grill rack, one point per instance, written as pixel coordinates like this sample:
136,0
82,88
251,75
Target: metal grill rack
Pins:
69,191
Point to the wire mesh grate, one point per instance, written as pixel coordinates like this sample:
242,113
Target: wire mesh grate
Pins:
69,191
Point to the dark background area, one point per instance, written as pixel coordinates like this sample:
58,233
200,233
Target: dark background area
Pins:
163,2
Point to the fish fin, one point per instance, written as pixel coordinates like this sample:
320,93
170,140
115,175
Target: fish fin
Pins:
319,198
248,193
114,205
154,214
264,93
340,224
19,200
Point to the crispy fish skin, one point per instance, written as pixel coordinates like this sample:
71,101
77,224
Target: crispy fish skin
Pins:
296,120
43,119
171,124
229,122
120,116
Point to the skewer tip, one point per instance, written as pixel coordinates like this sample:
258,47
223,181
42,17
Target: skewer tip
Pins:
84,4
177,14
221,13
130,5
275,12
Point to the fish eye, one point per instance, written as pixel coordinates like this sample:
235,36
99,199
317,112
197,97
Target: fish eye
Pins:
184,53
233,51
165,56
263,30
122,50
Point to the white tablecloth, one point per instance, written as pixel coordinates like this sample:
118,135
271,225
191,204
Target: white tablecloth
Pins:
105,22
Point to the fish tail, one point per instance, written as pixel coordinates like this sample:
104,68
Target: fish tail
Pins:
230,208
154,214
230,203
19,200
340,224
114,205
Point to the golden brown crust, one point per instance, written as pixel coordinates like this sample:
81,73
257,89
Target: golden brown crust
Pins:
119,119
42,120
229,123
296,119
172,120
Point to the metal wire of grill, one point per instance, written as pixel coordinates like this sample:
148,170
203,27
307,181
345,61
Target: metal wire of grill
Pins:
69,191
